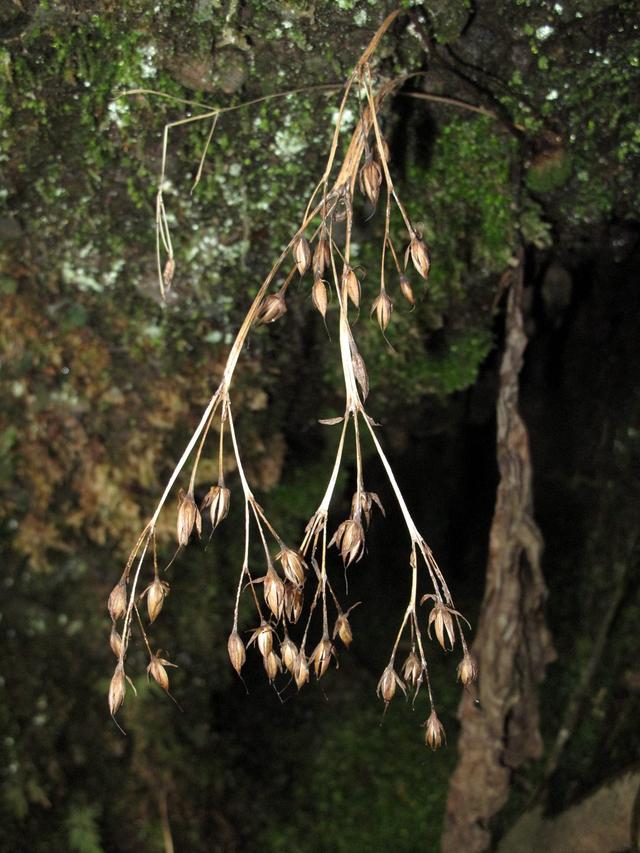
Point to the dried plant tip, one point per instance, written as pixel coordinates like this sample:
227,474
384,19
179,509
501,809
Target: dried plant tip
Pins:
272,665
272,308
441,617
370,180
412,669
302,254
321,256
467,669
217,500
293,602
117,603
117,689
407,290
157,671
263,635
293,566
188,517
274,592
321,657
167,273
351,284
364,501
434,733
319,296
289,654
156,595
342,629
388,683
237,653
349,539
383,306
381,154
419,255
301,670
115,641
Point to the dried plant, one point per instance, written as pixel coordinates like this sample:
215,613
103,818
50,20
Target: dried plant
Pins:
322,245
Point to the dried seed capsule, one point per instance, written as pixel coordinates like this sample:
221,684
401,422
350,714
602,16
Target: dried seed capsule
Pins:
293,565
419,255
342,629
407,290
302,254
117,689
188,517
167,273
370,180
217,500
349,539
301,670
364,501
467,669
272,665
434,734
383,306
293,602
272,308
289,654
360,372
159,674
115,641
274,592
156,595
263,635
412,669
384,154
321,256
237,654
388,683
351,284
117,603
319,296
321,657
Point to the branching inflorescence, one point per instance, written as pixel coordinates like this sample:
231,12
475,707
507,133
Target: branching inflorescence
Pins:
322,246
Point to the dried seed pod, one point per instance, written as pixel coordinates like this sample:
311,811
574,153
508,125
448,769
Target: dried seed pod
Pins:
217,500
384,154
321,256
360,372
383,306
117,603
342,629
434,734
370,180
167,273
156,595
293,602
321,657
364,501
388,683
272,308
349,539
188,517
302,254
272,665
467,669
293,565
412,668
263,635
419,255
289,654
351,284
117,689
442,618
274,592
319,296
407,290
115,641
301,670
237,653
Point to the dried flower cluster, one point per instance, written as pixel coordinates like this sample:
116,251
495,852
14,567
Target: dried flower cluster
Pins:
294,579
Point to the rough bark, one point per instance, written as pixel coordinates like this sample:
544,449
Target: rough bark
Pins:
512,644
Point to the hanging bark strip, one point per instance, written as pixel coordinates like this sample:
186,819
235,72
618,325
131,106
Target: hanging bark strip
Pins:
512,644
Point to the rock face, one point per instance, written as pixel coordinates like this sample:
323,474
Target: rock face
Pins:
605,822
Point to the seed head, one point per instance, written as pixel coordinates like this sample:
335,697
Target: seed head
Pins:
467,669
383,306
302,254
117,689
188,517
289,654
342,629
407,290
293,602
115,641
293,566
370,180
434,733
272,308
352,285
237,653
364,501
349,539
167,273
272,665
263,635
321,657
319,296
217,500
274,592
117,603
388,683
419,255
156,595
441,617
321,256
157,671
412,669
301,670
